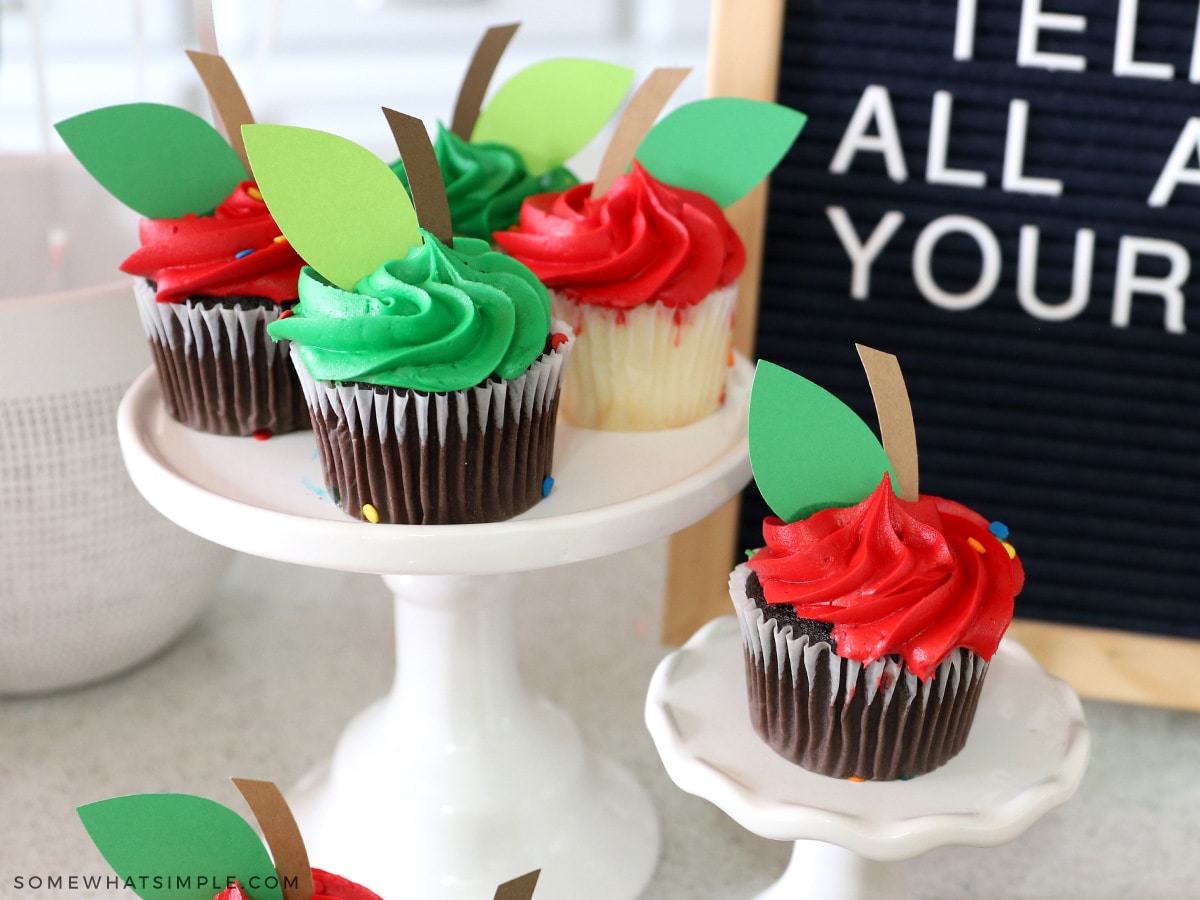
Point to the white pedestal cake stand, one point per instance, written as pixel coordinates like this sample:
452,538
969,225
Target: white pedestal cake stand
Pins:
1026,754
459,779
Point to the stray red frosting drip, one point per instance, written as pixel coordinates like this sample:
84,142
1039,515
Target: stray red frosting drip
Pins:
642,242
894,577
207,255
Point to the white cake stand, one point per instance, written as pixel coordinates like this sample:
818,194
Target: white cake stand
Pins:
460,779
1026,754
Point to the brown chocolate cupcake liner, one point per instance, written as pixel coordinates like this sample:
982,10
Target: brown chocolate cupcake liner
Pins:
401,456
219,370
841,718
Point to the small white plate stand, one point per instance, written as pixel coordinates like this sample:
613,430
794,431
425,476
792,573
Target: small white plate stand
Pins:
1026,754
460,779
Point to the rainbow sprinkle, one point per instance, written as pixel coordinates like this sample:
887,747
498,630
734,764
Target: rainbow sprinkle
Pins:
242,254
976,546
254,193
370,513
547,486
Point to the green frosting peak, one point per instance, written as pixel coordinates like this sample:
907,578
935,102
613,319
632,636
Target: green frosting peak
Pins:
440,319
486,183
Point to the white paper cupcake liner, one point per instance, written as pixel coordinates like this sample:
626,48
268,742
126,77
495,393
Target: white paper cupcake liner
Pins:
649,367
401,456
220,372
841,718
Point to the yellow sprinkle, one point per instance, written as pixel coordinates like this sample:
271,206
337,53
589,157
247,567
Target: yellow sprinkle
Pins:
976,546
1012,551
279,239
370,513
254,193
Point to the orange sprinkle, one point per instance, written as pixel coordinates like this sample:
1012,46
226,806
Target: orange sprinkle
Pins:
279,239
255,193
976,546
856,779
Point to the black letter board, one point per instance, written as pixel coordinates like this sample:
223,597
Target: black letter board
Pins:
1006,196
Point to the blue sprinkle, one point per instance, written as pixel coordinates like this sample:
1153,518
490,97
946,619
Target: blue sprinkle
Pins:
242,253
547,485
999,529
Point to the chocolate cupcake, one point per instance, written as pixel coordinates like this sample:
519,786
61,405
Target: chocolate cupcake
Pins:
867,628
208,287
431,371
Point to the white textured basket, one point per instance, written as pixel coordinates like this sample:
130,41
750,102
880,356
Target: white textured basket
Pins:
92,579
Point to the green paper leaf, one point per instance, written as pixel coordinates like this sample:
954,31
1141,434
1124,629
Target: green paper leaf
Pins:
343,210
721,146
808,450
549,111
173,837
160,161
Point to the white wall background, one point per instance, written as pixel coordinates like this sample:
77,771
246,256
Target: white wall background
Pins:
327,64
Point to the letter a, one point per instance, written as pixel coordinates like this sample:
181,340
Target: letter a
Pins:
1176,170
875,105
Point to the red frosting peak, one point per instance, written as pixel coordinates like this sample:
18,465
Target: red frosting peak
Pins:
641,242
915,579
206,255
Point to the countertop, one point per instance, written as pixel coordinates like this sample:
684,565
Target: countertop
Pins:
263,683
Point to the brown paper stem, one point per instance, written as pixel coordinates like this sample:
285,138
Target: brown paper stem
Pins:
519,888
895,417
424,175
644,107
479,75
226,97
282,836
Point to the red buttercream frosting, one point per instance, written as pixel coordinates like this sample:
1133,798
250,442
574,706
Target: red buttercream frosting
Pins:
894,577
204,255
325,887
641,242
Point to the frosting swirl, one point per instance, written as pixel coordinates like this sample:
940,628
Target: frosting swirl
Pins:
894,577
641,242
486,183
207,255
440,319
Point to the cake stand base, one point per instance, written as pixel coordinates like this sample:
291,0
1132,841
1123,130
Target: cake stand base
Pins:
460,779
821,871
1026,754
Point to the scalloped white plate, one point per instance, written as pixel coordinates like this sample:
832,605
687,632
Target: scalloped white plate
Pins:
1026,754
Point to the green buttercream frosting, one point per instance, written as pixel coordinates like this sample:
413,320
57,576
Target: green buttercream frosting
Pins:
486,183
441,319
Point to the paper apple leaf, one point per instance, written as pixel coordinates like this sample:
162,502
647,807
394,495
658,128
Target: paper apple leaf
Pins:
160,161
720,146
549,111
343,210
175,837
808,449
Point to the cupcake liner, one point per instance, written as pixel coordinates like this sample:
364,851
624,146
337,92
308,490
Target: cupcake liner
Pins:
841,718
414,458
649,367
219,370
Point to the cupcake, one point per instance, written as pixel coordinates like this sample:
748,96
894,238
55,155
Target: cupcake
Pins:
173,845
431,371
646,271
868,626
492,159
213,269
208,286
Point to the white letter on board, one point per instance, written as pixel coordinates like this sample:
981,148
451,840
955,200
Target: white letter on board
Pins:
1123,62
1034,20
1015,179
875,105
964,31
939,138
1081,276
861,255
1194,69
1129,283
989,250
1176,170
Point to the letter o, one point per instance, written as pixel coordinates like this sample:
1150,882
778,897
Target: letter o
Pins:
989,250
